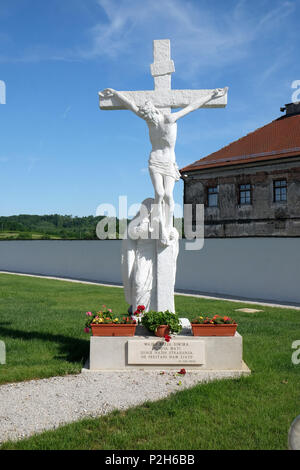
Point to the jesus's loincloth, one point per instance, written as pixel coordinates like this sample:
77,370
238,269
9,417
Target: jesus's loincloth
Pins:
164,168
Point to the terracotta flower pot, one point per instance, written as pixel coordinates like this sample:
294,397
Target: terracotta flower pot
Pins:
112,329
162,330
213,330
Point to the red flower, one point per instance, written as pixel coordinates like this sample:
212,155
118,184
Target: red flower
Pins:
139,309
167,338
182,372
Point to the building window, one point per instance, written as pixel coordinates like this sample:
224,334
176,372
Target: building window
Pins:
280,190
212,196
245,194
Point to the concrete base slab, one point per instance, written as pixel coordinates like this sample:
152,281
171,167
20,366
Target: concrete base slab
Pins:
203,376
222,355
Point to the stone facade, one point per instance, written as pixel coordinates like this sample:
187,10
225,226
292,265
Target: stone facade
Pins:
263,216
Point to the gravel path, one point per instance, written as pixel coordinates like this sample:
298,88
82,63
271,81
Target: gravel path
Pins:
31,407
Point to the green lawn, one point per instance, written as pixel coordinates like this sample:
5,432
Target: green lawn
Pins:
42,320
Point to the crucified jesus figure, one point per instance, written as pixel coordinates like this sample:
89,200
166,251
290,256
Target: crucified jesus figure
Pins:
162,162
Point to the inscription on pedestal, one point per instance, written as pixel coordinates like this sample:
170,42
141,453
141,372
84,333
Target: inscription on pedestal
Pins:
158,352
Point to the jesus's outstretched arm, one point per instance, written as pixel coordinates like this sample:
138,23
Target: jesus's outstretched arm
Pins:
218,93
110,92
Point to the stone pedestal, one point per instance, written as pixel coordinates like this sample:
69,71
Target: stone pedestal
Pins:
165,267
183,351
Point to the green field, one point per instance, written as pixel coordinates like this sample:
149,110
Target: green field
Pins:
41,322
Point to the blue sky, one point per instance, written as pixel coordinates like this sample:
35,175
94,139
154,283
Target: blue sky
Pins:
60,154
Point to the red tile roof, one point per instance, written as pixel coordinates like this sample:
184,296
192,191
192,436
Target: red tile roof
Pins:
278,139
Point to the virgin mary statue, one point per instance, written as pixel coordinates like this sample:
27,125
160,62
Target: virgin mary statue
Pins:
139,255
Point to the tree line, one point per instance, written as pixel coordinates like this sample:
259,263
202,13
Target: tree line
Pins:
49,226
55,226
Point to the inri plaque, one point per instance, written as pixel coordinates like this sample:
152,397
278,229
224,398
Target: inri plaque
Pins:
177,352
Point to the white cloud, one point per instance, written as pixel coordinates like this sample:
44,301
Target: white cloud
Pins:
201,36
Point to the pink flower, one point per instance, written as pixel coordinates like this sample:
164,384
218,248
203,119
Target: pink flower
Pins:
86,330
110,310
89,314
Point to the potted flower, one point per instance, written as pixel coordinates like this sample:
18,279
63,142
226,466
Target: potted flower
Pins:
214,326
161,323
107,323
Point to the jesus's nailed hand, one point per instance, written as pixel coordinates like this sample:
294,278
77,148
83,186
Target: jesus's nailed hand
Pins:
107,93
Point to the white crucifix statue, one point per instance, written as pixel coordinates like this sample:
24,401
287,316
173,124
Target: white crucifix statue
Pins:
148,261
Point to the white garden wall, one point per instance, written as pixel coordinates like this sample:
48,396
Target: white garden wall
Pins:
254,268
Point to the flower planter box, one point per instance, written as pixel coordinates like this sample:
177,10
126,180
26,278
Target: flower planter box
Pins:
162,331
213,330
111,329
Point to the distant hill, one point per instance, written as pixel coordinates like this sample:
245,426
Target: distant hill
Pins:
54,227
48,227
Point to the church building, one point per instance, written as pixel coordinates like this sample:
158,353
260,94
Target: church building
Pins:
252,186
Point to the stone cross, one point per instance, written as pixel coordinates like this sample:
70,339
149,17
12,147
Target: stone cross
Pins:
163,96
149,269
